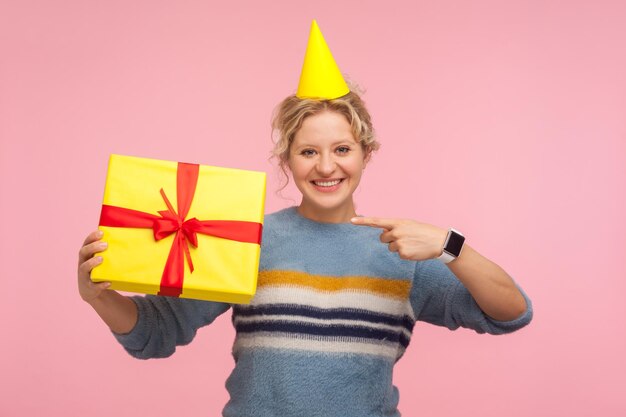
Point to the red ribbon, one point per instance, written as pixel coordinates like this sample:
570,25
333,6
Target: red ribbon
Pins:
171,222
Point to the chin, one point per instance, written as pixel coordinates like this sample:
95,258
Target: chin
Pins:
327,204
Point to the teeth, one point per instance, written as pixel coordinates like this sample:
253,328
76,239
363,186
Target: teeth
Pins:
327,183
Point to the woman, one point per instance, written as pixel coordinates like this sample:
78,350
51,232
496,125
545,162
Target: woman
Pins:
338,295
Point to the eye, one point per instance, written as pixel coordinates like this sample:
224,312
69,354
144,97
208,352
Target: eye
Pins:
343,149
307,152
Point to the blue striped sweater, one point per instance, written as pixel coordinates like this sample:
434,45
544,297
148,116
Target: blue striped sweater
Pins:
333,313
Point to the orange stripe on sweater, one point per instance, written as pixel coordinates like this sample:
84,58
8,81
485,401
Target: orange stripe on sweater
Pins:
396,288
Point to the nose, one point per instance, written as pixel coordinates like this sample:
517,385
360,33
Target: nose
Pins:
326,164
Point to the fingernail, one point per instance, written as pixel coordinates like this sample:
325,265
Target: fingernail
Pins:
103,244
354,219
99,233
98,259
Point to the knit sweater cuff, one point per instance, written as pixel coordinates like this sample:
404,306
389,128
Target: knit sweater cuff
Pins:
473,317
137,338
518,323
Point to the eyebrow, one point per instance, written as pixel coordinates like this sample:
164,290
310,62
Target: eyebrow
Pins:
348,140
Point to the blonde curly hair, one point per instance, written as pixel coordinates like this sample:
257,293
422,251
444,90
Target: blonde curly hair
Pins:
288,116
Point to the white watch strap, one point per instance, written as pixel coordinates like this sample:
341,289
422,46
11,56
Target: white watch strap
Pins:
445,257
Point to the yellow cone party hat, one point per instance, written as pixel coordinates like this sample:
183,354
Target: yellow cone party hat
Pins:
320,77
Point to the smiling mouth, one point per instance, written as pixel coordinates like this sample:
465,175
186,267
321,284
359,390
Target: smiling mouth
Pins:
327,183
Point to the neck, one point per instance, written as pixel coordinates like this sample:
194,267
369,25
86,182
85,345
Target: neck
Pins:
323,215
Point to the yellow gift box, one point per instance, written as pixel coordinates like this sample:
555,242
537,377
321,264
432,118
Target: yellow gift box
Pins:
183,230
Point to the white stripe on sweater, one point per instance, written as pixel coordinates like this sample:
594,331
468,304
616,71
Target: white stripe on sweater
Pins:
318,344
336,299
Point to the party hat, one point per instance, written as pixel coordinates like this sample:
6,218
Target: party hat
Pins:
320,77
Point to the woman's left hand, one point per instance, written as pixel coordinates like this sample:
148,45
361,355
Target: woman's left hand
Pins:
412,240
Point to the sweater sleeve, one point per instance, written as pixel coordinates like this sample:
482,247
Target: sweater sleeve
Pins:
438,297
166,322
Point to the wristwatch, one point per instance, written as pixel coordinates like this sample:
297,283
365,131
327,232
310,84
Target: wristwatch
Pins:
452,246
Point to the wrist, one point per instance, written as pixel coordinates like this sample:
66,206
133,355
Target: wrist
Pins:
119,312
98,300
439,242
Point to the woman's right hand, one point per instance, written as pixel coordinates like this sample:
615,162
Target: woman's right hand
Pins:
89,290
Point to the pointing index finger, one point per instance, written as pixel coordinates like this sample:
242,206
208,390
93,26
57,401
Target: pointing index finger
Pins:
374,222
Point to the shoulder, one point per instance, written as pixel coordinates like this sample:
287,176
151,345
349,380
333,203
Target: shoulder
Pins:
279,216
277,220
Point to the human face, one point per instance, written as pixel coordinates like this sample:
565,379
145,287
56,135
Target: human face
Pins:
326,163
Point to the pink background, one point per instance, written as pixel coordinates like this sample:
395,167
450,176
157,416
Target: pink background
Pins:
505,120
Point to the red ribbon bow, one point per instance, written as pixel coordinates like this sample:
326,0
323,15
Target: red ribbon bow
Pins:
186,230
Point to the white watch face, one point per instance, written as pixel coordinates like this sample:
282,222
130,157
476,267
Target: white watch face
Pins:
455,243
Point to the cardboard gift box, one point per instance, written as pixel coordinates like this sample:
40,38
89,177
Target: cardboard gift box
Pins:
181,230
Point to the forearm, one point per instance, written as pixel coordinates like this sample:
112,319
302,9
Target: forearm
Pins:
491,287
117,311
